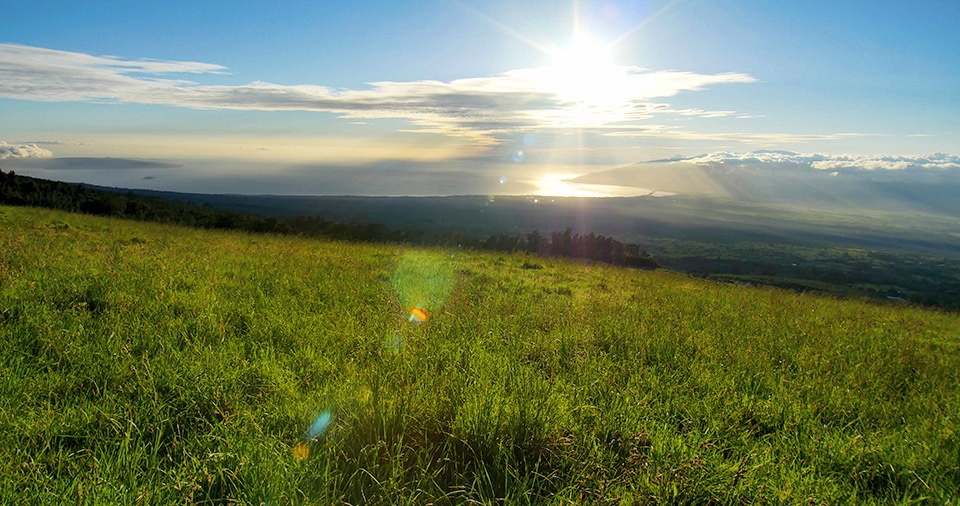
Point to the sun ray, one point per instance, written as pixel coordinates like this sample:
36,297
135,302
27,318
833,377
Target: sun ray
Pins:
506,29
653,15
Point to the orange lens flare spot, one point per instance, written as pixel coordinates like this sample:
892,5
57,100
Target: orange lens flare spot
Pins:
418,315
301,452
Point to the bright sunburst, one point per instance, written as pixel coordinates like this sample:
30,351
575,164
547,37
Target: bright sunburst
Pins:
581,65
585,75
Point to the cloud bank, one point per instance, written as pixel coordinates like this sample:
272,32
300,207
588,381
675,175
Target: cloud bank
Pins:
483,109
22,151
830,163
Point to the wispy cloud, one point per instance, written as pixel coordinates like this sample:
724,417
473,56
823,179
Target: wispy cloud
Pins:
55,143
483,109
710,114
38,57
95,164
23,151
747,138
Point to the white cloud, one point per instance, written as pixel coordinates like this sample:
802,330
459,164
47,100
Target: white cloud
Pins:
483,109
833,164
935,161
22,151
756,158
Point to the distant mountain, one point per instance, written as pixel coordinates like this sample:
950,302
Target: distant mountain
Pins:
927,184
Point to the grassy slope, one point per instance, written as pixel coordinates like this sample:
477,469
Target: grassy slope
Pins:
144,363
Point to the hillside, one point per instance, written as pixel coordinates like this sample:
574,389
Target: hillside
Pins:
147,363
887,255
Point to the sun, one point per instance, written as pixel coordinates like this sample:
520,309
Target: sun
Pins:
584,53
585,75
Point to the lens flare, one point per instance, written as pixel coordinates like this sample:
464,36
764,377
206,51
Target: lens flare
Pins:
319,425
418,315
423,282
393,343
363,395
301,452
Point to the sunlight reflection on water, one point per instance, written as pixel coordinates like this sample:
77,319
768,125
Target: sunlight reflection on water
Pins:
559,185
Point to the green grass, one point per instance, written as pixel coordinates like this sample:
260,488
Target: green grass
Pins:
152,364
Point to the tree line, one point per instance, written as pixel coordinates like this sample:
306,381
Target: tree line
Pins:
28,191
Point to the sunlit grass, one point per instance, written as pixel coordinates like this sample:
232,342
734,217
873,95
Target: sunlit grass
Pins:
144,363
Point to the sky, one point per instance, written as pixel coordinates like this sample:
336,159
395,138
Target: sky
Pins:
450,97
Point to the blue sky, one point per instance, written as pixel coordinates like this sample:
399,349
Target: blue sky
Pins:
486,89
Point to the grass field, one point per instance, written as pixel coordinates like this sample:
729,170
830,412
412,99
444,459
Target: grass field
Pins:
153,364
